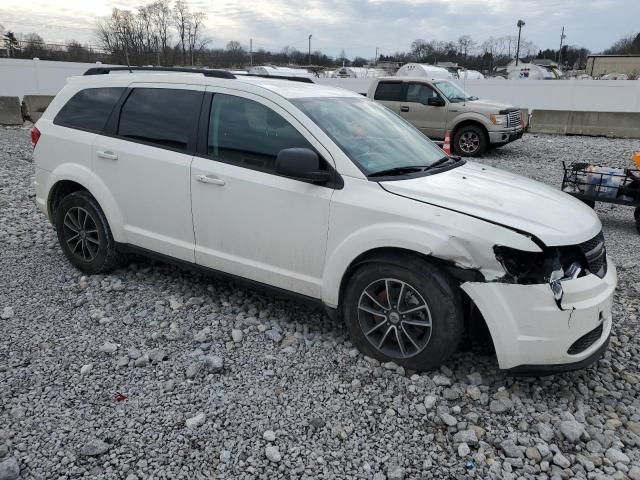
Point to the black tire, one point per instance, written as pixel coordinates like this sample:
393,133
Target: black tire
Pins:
470,141
86,241
636,214
432,286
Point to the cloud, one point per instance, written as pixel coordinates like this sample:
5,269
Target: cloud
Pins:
357,26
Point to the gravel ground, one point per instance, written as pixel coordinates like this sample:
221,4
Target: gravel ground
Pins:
157,372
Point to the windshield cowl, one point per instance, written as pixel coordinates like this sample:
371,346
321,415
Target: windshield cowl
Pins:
404,173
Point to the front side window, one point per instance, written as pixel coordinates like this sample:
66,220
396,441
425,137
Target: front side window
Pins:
161,117
389,91
419,93
372,136
248,134
89,109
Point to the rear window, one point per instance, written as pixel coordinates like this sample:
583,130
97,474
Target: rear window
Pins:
89,109
390,91
162,117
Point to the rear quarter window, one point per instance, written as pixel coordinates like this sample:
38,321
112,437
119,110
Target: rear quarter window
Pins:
389,91
89,109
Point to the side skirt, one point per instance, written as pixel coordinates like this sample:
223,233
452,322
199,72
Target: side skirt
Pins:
245,282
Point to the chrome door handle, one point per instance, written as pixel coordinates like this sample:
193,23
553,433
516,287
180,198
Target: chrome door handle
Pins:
107,155
211,179
404,109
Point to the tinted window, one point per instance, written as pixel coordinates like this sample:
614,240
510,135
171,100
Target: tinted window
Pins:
161,116
390,91
89,109
249,134
419,93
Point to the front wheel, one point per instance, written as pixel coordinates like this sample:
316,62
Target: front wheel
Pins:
470,141
409,315
84,234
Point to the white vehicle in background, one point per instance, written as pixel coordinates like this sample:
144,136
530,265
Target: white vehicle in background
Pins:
327,195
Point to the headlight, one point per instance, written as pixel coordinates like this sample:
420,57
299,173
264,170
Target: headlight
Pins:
499,119
552,266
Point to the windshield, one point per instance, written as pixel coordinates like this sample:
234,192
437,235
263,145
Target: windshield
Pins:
372,136
454,93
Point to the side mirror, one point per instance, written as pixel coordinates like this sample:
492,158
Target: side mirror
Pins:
301,164
435,102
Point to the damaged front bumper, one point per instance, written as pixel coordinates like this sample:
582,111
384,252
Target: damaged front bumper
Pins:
531,331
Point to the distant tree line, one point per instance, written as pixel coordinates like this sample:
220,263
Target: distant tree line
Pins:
629,45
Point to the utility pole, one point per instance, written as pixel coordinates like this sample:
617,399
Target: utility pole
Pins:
520,24
376,62
562,37
251,52
310,49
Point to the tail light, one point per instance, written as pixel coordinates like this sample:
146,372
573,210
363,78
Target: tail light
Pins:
35,136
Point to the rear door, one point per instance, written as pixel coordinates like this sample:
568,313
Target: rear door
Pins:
145,161
390,93
429,119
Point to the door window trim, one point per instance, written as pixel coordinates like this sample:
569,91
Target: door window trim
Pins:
403,90
202,149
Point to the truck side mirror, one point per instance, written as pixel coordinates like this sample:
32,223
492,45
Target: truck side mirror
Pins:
435,102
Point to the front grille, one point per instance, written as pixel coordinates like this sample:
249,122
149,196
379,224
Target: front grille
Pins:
586,341
513,118
596,255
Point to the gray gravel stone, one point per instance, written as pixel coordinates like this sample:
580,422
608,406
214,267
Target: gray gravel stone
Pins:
94,447
616,456
9,469
196,421
272,453
510,449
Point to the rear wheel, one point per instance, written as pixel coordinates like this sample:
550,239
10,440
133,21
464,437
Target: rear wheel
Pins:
410,315
470,141
84,234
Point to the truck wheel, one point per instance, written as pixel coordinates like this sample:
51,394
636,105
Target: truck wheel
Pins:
84,234
470,141
409,315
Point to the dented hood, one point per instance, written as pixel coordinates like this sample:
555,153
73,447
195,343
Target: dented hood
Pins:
507,199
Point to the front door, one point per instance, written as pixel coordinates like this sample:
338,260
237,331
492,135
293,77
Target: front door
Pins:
145,165
248,220
429,119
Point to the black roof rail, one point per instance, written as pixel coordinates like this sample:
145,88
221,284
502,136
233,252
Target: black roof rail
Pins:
204,71
282,77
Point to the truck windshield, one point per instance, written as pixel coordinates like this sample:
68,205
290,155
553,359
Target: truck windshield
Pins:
454,93
372,136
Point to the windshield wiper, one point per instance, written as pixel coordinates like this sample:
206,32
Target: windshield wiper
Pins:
397,171
441,162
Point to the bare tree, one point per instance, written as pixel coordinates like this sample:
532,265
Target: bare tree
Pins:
465,44
181,20
195,41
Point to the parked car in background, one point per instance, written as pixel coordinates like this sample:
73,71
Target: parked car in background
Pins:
327,195
439,106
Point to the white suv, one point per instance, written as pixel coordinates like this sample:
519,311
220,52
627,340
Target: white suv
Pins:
323,193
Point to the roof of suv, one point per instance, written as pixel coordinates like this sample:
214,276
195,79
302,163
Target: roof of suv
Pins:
284,88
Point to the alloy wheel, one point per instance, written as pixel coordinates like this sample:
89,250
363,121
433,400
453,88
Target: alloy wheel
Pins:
394,318
81,233
469,142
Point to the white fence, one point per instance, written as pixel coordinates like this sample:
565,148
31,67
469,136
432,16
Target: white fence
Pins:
578,95
37,77
41,77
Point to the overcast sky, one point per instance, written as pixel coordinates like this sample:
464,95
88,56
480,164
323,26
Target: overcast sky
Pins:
358,26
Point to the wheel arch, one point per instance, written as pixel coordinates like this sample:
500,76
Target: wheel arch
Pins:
470,122
69,178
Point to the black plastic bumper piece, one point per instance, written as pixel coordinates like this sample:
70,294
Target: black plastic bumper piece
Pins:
545,370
